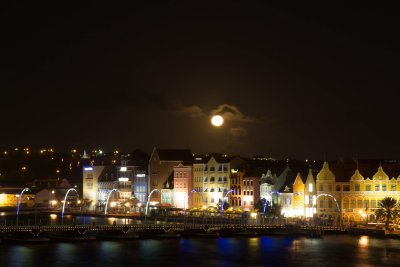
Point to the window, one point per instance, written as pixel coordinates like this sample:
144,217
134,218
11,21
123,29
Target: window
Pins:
353,204
212,179
384,187
337,187
377,187
251,182
357,187
212,189
346,204
330,204
359,204
346,188
205,180
225,179
321,203
392,187
306,199
310,187
373,204
368,187
321,187
212,200
329,187
366,204
219,179
212,169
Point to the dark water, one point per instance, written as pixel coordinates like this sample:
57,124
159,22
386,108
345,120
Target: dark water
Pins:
261,251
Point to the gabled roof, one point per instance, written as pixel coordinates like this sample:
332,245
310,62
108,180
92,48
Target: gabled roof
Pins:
201,159
345,169
184,155
222,158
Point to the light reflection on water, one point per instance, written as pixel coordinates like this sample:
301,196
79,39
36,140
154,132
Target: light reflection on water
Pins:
272,251
363,242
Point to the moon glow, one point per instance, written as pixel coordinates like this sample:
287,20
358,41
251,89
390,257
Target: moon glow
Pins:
217,120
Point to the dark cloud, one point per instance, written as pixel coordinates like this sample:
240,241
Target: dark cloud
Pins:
238,131
232,113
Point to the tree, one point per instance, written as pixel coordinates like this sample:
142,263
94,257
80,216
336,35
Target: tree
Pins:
388,210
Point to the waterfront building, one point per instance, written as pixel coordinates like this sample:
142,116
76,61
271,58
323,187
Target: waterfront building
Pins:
140,186
183,186
310,196
98,181
266,186
216,183
298,197
327,195
200,167
251,191
9,197
236,185
161,167
345,191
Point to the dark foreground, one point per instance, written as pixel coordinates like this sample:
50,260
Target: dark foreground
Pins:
333,250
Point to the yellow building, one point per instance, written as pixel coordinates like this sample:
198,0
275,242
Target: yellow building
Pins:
341,192
200,168
9,197
298,196
327,198
361,200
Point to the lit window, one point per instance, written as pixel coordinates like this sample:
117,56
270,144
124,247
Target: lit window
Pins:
310,188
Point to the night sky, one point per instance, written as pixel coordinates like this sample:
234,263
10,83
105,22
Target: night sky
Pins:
296,82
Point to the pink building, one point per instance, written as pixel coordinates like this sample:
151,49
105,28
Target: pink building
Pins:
183,185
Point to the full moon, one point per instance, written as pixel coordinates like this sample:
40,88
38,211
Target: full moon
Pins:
217,120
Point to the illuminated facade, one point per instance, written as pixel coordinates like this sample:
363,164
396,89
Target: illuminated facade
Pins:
298,196
215,181
327,195
341,193
361,200
200,167
161,167
183,186
236,196
91,176
9,197
266,186
310,196
140,184
251,191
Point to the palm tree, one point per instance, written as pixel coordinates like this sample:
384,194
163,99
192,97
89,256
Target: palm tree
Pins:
389,210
